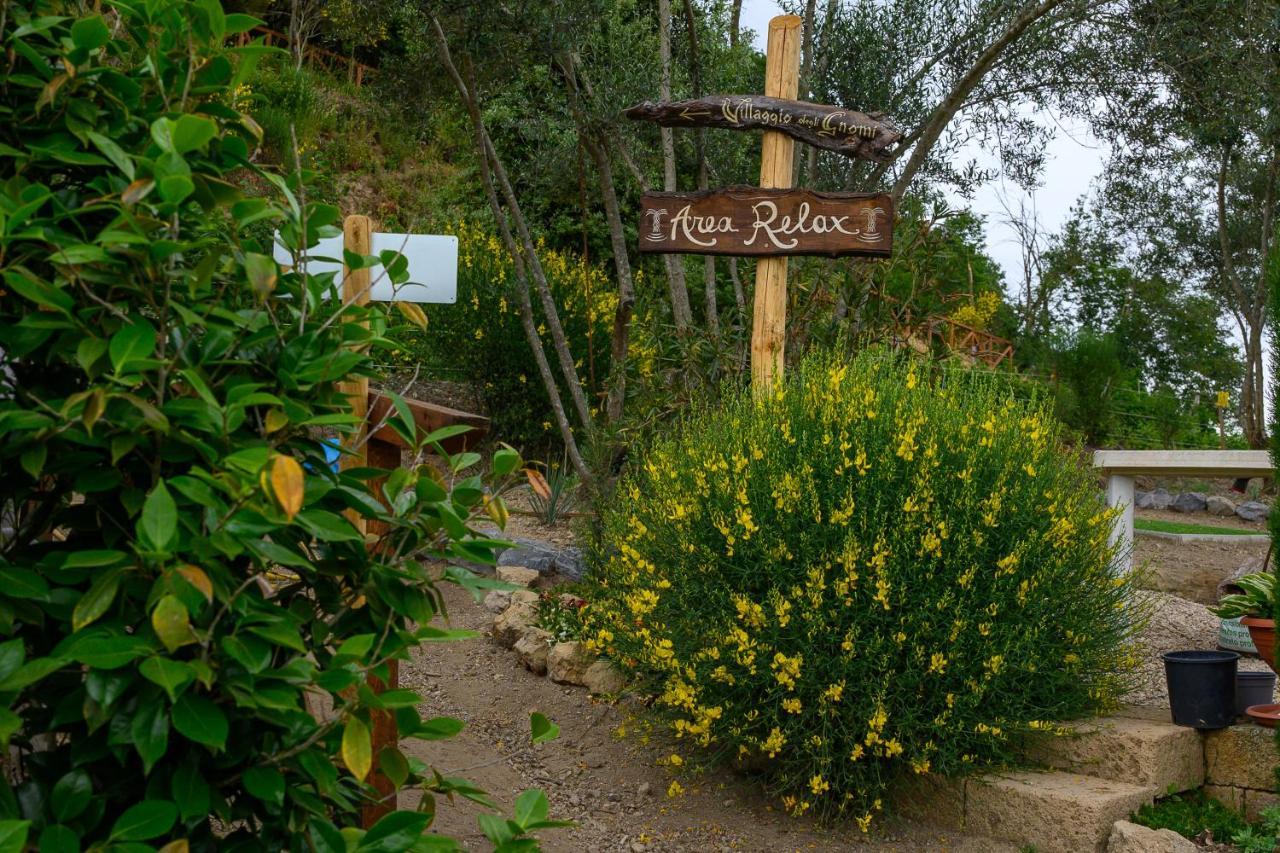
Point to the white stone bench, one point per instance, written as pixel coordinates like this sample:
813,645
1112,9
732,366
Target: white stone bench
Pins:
1120,467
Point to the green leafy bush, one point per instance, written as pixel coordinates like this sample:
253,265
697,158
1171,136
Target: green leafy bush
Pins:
1192,813
181,577
860,578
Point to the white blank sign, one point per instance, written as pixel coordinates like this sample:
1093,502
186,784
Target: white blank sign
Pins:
433,265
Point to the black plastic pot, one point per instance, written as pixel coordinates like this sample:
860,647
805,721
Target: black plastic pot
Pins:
1254,688
1202,687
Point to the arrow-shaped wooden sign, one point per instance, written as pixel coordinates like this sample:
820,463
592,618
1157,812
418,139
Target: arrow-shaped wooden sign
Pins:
866,136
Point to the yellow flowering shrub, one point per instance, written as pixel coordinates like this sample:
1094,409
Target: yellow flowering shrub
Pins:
867,576
480,336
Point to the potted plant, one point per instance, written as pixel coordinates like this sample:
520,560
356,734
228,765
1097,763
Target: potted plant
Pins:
1257,605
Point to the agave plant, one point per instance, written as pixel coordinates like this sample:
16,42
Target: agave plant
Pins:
1258,598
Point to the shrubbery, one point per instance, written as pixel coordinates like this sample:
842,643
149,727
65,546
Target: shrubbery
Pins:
862,577
181,576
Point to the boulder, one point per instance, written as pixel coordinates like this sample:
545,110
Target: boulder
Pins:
1141,499
511,623
567,663
517,575
544,558
1218,505
1253,511
497,600
1189,502
1129,837
524,596
1156,499
604,678
1228,585
533,648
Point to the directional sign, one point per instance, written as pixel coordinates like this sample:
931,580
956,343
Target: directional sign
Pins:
866,136
751,221
433,265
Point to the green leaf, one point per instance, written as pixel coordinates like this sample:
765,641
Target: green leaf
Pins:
56,838
328,526
12,654
171,675
505,461
31,672
541,728
131,343
23,583
496,828
394,833
13,835
190,791
172,623
158,526
238,22
150,730
148,819
265,783
357,749
191,132
199,720
10,723
261,271
104,651
114,153
439,728
71,795
281,634
531,807
97,600
325,837
394,765
90,33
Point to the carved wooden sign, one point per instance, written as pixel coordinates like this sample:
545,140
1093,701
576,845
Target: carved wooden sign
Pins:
866,136
762,222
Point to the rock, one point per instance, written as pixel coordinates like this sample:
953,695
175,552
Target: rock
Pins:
604,678
1129,837
533,647
1141,499
497,601
1228,585
1232,757
1155,499
544,558
1218,505
524,596
512,623
1253,511
567,663
517,575
1189,502
645,789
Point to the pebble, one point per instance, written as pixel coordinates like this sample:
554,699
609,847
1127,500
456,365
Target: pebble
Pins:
637,847
644,789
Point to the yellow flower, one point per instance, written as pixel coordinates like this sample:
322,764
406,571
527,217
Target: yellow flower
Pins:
774,742
674,789
819,785
791,705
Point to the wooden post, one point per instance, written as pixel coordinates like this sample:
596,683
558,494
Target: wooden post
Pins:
769,326
357,237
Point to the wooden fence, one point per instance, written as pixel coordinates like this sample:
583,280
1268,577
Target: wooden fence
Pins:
315,57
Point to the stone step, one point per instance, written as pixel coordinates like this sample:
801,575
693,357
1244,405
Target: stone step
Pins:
1053,811
1151,753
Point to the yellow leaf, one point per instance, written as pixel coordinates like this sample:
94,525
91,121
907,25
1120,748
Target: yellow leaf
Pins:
276,420
137,191
287,484
197,578
93,407
413,314
179,846
172,623
496,510
357,749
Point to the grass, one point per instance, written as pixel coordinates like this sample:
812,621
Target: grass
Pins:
1188,814
1162,526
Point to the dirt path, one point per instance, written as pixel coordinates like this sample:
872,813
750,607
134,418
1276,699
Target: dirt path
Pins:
612,786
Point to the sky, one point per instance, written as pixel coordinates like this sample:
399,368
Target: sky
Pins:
1073,159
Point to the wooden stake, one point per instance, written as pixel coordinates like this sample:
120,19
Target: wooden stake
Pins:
357,237
769,327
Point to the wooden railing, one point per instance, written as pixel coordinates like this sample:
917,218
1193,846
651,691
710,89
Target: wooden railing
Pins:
313,56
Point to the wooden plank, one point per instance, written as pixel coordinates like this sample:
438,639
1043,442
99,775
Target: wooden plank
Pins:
865,136
357,237
1203,463
428,417
769,320
750,221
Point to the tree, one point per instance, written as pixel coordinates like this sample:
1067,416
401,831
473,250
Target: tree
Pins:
1190,88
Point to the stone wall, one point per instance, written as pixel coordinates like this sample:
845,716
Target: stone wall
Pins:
1240,764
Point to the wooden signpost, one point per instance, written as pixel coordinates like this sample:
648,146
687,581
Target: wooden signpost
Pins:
750,221
867,136
773,221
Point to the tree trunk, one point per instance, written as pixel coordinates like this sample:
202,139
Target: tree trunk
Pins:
487,155
735,21
681,312
806,77
700,143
